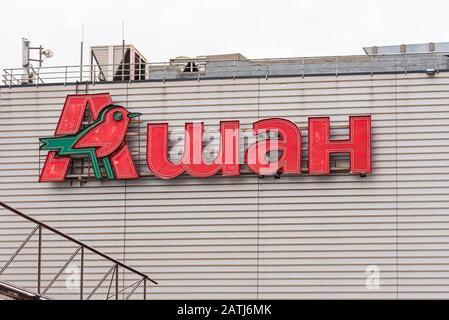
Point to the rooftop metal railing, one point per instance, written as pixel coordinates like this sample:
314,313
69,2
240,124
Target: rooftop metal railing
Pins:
114,291
201,68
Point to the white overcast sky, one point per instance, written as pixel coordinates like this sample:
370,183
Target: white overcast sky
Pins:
163,29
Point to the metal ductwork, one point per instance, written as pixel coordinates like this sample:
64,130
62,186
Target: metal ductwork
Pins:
117,63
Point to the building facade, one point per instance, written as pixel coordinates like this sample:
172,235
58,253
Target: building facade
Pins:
383,235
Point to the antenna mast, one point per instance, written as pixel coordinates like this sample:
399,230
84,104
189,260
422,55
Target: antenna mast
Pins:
123,49
82,51
28,71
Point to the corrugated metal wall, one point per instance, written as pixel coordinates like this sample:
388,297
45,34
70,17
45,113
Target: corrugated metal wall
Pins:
244,237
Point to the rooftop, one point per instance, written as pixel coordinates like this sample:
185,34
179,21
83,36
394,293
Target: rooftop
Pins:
125,63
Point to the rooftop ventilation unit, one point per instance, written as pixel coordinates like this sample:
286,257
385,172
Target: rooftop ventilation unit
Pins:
431,47
117,63
198,64
188,65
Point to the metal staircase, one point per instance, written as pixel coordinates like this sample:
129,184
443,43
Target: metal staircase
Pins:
11,292
113,274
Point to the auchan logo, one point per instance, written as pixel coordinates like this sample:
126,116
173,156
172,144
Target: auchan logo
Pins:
104,143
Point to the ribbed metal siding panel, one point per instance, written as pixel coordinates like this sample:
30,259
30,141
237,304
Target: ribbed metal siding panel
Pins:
244,237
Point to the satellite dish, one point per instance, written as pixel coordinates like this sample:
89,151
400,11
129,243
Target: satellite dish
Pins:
48,53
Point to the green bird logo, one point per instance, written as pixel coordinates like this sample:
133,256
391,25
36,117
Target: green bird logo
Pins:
97,141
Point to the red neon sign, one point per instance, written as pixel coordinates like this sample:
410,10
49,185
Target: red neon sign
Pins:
104,142
358,145
289,145
192,161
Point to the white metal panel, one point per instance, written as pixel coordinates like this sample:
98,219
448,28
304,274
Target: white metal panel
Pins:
245,237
